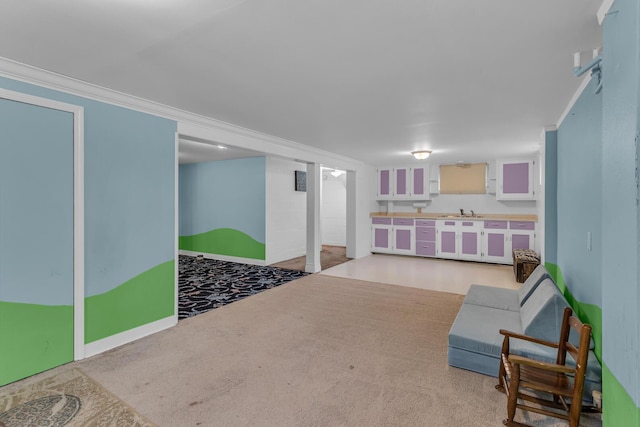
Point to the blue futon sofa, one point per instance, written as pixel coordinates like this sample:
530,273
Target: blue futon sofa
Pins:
535,309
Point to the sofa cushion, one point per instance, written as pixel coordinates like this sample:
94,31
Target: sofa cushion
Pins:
503,298
493,297
532,282
541,314
476,328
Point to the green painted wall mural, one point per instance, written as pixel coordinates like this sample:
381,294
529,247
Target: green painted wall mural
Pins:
222,207
224,241
588,313
618,409
148,297
31,329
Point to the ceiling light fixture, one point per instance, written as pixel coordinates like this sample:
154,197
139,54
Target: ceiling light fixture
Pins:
336,173
421,155
222,147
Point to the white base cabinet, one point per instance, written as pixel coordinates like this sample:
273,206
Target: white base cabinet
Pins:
490,241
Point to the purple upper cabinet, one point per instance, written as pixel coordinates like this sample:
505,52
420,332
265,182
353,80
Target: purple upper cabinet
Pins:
385,183
403,181
515,180
420,183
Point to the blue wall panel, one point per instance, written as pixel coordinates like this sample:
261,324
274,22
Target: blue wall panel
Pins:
36,204
129,189
551,197
223,194
620,195
579,192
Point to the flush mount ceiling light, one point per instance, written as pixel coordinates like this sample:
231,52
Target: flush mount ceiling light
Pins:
336,173
221,147
421,155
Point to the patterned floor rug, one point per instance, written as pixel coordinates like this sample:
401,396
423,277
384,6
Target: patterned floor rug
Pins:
205,284
69,398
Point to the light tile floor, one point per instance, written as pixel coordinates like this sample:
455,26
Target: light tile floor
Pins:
426,273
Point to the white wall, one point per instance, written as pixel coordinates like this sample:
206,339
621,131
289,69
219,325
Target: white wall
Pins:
333,211
286,211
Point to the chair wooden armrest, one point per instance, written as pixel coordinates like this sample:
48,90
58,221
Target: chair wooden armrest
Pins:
509,334
552,367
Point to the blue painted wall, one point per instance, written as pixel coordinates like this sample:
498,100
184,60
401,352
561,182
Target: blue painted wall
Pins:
598,190
223,194
579,191
620,206
551,196
129,196
36,204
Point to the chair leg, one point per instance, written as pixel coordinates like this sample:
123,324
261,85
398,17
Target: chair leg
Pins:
512,396
574,414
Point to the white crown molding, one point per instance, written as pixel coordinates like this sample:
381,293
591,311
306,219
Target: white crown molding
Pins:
186,120
604,9
583,85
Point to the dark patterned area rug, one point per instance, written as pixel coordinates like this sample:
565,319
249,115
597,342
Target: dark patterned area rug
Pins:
205,284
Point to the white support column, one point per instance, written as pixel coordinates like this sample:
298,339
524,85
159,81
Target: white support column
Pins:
352,223
314,177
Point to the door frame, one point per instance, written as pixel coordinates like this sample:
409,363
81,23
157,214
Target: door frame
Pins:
78,206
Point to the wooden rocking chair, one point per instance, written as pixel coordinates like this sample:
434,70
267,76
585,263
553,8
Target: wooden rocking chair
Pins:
563,383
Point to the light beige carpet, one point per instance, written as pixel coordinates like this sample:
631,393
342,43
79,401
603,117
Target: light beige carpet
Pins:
318,351
67,398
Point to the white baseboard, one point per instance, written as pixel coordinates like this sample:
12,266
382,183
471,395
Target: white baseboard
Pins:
125,337
224,257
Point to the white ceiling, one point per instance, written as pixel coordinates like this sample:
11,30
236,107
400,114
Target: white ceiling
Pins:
368,79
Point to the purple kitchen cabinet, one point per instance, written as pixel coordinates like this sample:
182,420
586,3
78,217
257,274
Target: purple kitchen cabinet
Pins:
403,239
381,238
425,237
495,244
381,220
402,182
448,243
381,234
522,225
521,241
470,243
426,234
522,234
403,221
418,182
426,248
515,180
384,183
